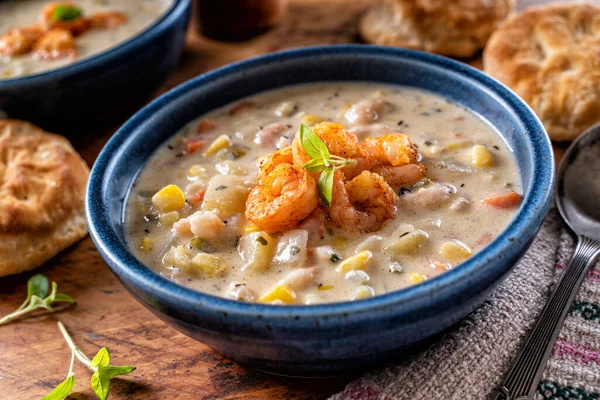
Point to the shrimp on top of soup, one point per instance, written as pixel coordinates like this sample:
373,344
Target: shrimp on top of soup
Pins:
322,192
39,35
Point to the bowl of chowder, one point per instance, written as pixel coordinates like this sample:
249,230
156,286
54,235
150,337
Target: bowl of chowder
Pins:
64,63
314,211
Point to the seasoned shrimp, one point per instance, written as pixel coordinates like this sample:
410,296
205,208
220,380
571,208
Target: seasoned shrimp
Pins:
282,198
54,44
340,143
365,204
107,19
395,158
76,23
268,163
19,40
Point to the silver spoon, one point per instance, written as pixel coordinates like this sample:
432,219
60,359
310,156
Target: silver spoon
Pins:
578,200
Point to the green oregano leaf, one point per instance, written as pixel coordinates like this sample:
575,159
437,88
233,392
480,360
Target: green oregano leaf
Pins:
101,359
315,165
62,390
325,186
312,144
65,12
38,285
100,384
115,370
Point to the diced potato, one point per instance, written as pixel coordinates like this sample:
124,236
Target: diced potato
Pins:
455,251
196,171
178,256
169,198
291,249
168,219
372,243
363,292
311,119
285,109
416,277
146,244
409,244
225,195
481,157
298,278
256,249
239,291
323,253
358,277
278,293
208,264
221,142
358,261
229,167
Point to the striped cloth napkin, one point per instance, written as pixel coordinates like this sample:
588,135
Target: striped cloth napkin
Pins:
468,362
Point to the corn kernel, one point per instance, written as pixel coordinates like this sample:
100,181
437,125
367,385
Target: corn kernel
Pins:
458,145
481,157
409,244
280,293
358,261
363,292
455,251
147,244
222,142
340,242
311,119
208,264
251,228
169,198
168,219
196,171
325,287
416,277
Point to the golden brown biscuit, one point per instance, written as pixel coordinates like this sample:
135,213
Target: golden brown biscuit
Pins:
550,56
42,186
455,28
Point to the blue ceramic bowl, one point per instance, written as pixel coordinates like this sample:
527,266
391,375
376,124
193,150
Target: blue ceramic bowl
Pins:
331,338
95,91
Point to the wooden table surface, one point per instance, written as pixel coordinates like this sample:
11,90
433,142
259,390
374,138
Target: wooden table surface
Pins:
33,355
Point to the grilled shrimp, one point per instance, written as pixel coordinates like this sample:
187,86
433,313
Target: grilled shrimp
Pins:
268,163
107,19
340,143
395,158
76,26
282,198
19,40
56,43
364,204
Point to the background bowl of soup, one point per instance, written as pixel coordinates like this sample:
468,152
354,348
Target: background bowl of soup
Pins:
324,339
114,70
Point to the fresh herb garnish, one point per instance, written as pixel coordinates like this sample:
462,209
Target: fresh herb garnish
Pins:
321,161
65,12
335,258
404,190
100,365
39,295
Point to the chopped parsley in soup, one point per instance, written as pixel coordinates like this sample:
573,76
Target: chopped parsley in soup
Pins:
322,192
37,35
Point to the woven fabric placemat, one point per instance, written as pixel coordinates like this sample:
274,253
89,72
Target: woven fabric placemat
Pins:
468,361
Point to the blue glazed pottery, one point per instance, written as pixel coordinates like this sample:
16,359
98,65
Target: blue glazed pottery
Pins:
327,339
93,92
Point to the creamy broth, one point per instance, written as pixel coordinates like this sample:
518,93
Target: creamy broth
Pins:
23,13
440,221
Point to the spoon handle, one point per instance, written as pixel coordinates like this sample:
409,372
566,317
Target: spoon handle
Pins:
525,373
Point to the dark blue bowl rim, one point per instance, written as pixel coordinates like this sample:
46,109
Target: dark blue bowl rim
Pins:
525,223
130,45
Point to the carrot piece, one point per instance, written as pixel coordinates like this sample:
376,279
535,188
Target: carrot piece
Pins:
194,144
205,126
243,106
504,200
197,198
439,266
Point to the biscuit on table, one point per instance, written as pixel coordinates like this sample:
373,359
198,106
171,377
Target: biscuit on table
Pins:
454,28
42,188
550,56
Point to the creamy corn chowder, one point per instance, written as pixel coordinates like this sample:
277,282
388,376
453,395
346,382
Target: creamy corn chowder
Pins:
321,193
40,35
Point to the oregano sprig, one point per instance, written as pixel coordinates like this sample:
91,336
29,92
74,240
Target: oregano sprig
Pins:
39,295
321,161
100,365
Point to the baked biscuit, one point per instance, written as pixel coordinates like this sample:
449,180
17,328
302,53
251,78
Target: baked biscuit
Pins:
42,187
550,56
456,28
